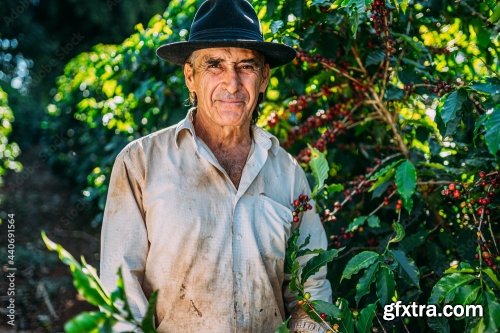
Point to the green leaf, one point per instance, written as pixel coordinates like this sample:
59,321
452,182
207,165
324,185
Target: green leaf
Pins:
84,278
492,136
365,318
383,175
375,58
108,88
334,188
489,272
87,322
480,327
119,294
319,168
491,4
315,263
406,180
452,105
493,324
346,321
359,262
439,324
467,294
487,88
331,310
283,328
385,170
373,221
320,2
394,94
495,14
396,4
354,23
305,252
408,266
413,241
360,6
364,283
446,288
291,251
305,243
276,26
382,179
148,323
107,325
400,233
385,284
404,5
358,222
294,284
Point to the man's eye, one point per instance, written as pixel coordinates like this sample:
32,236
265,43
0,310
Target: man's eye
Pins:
248,67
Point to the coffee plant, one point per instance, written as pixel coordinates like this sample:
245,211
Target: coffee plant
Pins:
114,307
392,109
8,150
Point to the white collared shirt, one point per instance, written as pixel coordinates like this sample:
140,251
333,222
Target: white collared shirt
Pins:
176,223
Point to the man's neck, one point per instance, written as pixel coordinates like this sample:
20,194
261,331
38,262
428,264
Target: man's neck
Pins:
230,145
225,138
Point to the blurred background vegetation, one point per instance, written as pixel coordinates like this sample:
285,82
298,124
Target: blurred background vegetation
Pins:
376,83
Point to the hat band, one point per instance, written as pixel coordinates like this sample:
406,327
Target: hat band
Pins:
225,34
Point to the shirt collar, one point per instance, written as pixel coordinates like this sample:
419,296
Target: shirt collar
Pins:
185,124
262,138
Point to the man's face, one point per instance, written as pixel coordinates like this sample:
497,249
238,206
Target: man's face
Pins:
227,83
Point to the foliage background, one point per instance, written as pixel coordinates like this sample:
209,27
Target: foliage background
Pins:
401,96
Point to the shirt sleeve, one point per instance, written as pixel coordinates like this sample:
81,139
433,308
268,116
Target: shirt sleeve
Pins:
317,285
124,240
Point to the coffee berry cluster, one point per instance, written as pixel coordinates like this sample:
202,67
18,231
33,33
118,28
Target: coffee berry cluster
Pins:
301,204
473,205
441,87
487,257
379,16
337,117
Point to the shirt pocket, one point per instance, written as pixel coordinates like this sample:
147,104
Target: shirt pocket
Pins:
273,222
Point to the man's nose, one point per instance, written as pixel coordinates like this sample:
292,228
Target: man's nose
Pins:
232,80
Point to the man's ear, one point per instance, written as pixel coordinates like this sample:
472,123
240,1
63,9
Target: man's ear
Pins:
265,78
188,76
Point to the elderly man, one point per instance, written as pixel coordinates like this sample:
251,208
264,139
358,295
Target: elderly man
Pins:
201,211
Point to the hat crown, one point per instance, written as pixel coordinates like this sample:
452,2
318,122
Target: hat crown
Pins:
225,20
226,23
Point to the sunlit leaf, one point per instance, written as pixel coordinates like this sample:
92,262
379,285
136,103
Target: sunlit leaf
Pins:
445,289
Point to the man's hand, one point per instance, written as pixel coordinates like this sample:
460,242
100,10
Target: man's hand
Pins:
302,323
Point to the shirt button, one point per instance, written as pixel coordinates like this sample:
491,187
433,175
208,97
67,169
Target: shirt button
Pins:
239,275
238,237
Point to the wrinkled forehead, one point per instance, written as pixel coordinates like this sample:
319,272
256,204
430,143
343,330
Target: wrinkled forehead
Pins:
227,54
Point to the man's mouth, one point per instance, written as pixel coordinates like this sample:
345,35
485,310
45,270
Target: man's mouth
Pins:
230,101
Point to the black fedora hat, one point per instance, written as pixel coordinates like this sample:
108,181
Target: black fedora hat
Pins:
226,23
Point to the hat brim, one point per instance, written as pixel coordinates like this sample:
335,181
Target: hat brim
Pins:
275,54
